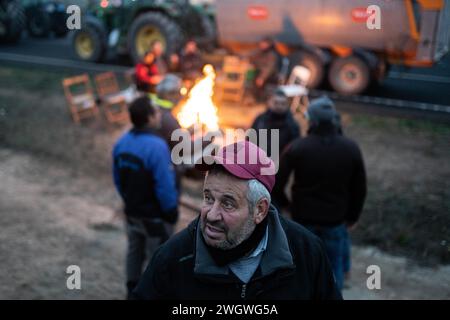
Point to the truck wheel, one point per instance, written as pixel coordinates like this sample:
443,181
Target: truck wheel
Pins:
313,64
149,27
38,23
349,75
14,22
89,43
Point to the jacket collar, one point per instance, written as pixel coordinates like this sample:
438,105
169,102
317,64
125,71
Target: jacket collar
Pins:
143,130
277,254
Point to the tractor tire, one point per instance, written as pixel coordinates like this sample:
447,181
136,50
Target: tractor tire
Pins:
89,43
313,63
149,27
209,35
15,22
60,32
38,23
349,75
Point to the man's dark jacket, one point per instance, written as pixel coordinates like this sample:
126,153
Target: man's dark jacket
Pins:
288,128
294,266
191,65
329,178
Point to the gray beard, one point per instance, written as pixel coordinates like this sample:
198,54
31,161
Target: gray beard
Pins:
235,239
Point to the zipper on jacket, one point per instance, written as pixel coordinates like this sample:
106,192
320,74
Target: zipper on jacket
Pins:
243,291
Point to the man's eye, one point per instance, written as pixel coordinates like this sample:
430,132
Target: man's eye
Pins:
228,205
207,199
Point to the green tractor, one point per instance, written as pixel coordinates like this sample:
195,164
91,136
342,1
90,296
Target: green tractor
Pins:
12,20
130,26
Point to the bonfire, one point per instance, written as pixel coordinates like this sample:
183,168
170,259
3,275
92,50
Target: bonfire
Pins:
199,108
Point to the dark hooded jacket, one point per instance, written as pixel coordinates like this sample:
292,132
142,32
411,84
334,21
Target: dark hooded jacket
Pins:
329,178
294,266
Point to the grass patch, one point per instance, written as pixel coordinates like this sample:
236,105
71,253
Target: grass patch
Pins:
401,125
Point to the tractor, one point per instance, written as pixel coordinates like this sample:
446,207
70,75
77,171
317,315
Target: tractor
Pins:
130,26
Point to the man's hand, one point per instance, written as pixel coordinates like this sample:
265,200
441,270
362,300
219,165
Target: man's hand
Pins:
156,79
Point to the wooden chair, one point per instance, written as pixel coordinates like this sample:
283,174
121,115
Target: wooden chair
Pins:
231,85
299,78
299,75
296,90
112,99
80,97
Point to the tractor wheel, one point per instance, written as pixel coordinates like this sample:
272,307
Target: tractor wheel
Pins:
38,23
209,36
313,63
349,75
60,32
89,43
149,27
14,23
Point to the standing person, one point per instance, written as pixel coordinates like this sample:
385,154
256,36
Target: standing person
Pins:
157,49
347,259
239,247
278,116
166,98
265,61
329,182
145,179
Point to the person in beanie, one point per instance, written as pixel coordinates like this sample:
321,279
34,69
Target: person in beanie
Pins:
329,186
166,98
239,247
145,179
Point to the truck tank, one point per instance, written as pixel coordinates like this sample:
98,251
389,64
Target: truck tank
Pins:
319,23
412,32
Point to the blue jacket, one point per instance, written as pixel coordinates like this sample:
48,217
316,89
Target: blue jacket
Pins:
144,175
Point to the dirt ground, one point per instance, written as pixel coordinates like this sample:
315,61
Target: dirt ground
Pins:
58,206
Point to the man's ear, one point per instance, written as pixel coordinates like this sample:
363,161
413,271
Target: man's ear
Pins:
261,210
152,120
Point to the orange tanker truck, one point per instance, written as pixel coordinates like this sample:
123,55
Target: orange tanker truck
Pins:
349,42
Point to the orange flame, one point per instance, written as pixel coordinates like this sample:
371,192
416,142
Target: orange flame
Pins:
199,107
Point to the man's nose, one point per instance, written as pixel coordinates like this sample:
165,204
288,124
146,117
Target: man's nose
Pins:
214,214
